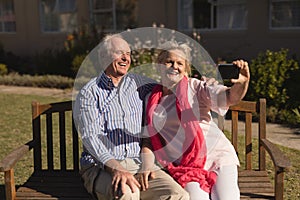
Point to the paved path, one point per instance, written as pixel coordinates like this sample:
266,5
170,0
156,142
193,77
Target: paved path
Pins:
277,134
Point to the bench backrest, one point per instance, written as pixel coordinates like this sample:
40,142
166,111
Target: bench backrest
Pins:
56,139
246,110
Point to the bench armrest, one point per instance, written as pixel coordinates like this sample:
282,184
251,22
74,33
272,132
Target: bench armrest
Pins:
9,161
7,166
281,162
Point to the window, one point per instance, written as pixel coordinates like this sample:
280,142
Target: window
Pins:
7,16
113,15
212,14
58,15
285,14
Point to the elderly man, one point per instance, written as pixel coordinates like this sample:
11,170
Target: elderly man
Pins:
108,113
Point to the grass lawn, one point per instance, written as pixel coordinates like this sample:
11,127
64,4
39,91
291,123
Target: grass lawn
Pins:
15,123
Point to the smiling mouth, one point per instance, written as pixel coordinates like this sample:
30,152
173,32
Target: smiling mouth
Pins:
123,64
172,73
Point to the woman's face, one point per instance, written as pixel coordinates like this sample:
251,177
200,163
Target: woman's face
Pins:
173,67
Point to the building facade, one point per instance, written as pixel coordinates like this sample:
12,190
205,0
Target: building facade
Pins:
227,29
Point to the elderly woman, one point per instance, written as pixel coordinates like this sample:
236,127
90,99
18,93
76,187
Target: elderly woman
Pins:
183,137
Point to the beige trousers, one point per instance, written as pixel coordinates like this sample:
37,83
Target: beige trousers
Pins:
98,182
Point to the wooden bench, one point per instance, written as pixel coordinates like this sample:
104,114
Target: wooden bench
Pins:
254,181
55,140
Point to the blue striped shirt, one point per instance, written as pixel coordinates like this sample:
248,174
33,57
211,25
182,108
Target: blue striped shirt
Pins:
109,118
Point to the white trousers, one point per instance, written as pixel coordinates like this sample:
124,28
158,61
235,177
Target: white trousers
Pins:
225,188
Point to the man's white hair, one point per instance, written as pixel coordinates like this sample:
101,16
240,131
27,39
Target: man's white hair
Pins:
105,50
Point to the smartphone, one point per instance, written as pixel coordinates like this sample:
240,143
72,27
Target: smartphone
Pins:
229,71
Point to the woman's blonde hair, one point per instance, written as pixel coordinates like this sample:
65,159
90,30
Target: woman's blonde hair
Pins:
173,45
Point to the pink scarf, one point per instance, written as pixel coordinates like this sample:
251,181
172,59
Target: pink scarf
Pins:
193,159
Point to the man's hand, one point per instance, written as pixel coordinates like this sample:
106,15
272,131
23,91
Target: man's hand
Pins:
120,178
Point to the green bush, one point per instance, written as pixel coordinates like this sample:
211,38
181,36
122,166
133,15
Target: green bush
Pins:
288,117
270,72
272,113
275,77
293,85
80,44
77,61
3,69
53,61
297,113
16,63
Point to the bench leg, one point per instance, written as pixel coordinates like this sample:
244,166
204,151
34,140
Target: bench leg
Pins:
10,189
279,178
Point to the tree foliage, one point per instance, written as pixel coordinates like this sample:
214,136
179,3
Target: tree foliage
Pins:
270,72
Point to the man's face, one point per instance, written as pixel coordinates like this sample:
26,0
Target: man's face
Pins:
120,53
